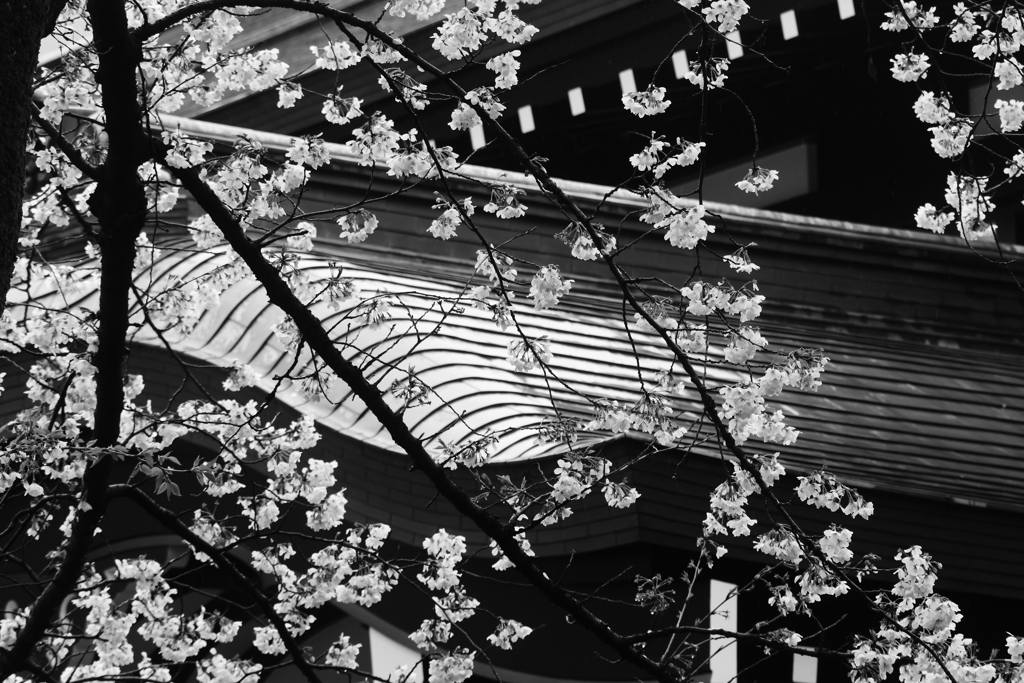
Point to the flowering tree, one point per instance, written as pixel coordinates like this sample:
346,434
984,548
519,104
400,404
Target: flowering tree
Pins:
112,167
974,44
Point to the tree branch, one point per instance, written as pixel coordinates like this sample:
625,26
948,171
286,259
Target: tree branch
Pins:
318,340
169,520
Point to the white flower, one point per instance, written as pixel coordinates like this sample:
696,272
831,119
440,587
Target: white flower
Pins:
509,631
649,157
758,180
357,226
485,99
341,110
1015,648
309,150
931,109
485,265
1008,72
781,544
967,197
647,102
506,66
336,56
964,25
835,544
619,495
1011,115
464,117
510,27
268,641
687,228
302,238
241,376
711,73
444,226
266,514
928,219
422,9
184,152
740,261
376,312
505,202
950,139
503,562
744,346
526,354
453,668
909,67
216,669
548,287
376,140
288,94
727,13
343,653
460,34
1016,166
919,17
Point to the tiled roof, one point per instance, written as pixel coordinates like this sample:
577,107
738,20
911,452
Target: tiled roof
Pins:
899,416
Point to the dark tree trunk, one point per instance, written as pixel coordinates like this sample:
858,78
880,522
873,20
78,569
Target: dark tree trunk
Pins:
23,25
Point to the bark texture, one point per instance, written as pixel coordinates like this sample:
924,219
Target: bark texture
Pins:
24,24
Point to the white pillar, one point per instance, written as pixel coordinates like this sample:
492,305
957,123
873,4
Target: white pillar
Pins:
725,615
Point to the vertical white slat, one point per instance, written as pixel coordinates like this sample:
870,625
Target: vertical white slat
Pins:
725,604
476,136
386,655
627,81
576,105
680,64
526,123
846,9
805,669
734,45
789,27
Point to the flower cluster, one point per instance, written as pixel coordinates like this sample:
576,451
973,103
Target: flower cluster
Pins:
909,14
547,287
709,74
682,220
909,67
526,354
506,66
450,219
758,180
357,225
646,102
421,9
509,631
336,56
728,503
966,195
726,13
659,156
578,238
503,562
483,98
950,139
505,202
702,299
341,110
822,490
375,141
495,266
